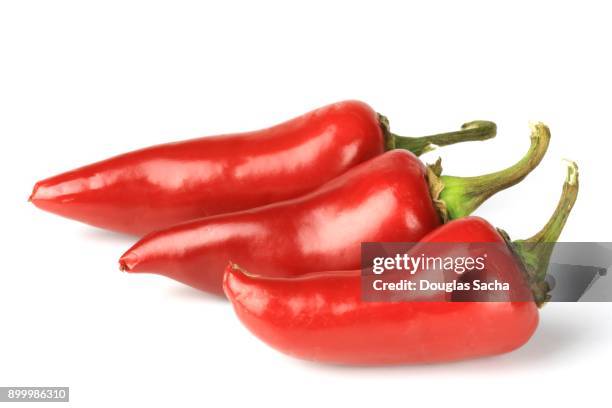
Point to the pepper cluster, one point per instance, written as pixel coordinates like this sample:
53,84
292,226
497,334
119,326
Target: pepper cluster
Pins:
274,219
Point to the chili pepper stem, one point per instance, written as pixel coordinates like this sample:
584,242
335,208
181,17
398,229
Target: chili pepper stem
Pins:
471,131
535,252
457,197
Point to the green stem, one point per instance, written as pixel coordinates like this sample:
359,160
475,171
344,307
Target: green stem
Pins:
535,252
460,196
471,131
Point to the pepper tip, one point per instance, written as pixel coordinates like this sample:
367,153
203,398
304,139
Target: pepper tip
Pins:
128,261
32,196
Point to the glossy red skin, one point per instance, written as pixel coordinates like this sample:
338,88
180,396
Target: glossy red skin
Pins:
384,199
321,316
156,187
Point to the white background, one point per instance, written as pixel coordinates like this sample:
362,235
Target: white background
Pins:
81,81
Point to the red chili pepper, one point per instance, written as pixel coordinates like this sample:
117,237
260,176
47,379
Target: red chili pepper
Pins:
160,186
322,317
384,199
